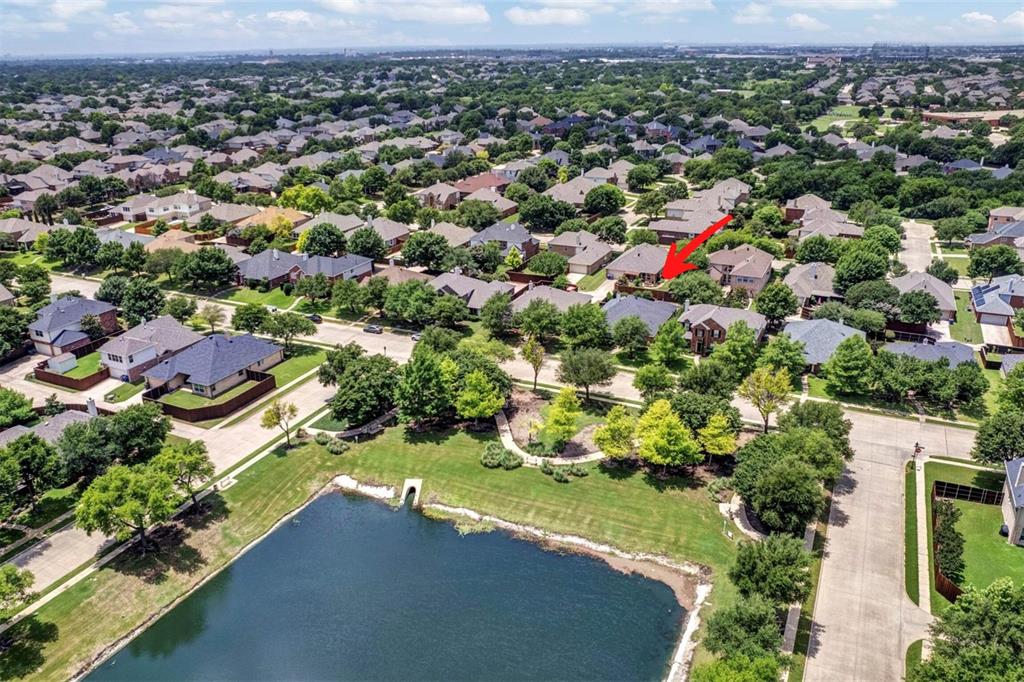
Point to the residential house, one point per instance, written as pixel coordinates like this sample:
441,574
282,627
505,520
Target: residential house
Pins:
455,236
652,313
58,326
51,428
440,195
1003,234
1004,214
954,352
396,274
707,325
475,292
812,283
277,267
585,252
574,191
922,281
505,207
482,181
1013,500
820,339
177,206
133,209
6,297
644,262
144,345
745,266
560,298
271,214
344,222
214,365
122,237
795,208
391,231
996,302
1010,361
508,236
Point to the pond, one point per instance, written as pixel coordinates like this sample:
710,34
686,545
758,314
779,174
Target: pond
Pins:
350,589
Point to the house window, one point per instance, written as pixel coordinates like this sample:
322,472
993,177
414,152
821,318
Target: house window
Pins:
198,388
240,372
131,358
37,333
715,333
114,358
700,333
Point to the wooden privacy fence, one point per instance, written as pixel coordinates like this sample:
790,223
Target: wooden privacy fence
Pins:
43,374
955,491
265,383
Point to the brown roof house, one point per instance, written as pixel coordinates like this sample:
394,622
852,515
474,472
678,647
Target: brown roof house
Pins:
560,298
708,325
812,283
922,281
644,262
585,252
505,207
456,236
475,292
745,266
440,195
574,191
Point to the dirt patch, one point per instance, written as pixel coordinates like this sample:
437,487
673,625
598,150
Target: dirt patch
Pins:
526,407
582,443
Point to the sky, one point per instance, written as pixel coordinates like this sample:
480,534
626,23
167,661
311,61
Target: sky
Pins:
106,27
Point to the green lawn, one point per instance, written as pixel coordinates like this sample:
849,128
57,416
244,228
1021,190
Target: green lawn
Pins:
636,363
87,366
995,385
914,655
592,281
23,258
817,387
987,555
959,264
953,250
910,577
303,359
125,391
329,423
951,473
675,517
966,328
52,504
274,297
185,398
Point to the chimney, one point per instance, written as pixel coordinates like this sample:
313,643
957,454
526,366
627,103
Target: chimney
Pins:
90,407
686,305
274,254
1020,474
53,297
982,161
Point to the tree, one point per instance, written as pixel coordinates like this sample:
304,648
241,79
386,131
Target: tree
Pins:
738,350
952,229
286,326
142,300
776,302
15,587
787,496
188,465
533,352
449,310
82,248
179,307
348,296
112,289
376,292
696,287
669,344
663,438
561,424
641,176
584,326
427,249
12,329
918,307
738,668
14,408
847,372
630,334
206,268
211,315
650,204
496,315
874,294
36,464
653,381
366,387
549,263
92,327
718,437
539,319
858,266
887,236
125,501
324,239
476,214
604,199
249,317
541,213
279,416
782,352
478,397
777,568
994,261
641,235
942,270
366,242
110,255
136,433
827,417
422,392
33,283
514,259
747,628
1000,437
314,287
615,436
1012,393
411,301
978,637
586,367
767,390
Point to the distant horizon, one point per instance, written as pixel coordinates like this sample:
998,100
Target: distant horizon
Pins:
62,29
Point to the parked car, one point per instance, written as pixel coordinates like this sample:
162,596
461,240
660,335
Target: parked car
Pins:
373,329
416,337
313,317
272,308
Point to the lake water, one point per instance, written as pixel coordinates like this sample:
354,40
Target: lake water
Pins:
352,590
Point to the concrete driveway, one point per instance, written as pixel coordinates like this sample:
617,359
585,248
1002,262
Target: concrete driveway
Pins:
917,247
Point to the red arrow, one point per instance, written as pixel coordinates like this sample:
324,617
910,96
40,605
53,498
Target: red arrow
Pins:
675,261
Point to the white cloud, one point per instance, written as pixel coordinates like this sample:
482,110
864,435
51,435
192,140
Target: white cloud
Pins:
186,16
293,18
66,9
423,11
122,23
805,22
753,13
979,20
838,4
547,16
1015,20
666,7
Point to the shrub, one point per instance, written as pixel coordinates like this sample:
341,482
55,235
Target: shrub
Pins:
493,456
322,438
337,447
949,543
560,475
577,471
546,468
287,288
538,449
510,461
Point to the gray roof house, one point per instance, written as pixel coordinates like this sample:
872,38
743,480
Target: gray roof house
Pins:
922,281
214,364
141,347
6,297
475,292
1010,362
344,222
561,299
955,352
122,237
277,266
1013,500
49,430
1001,234
57,327
651,313
820,338
812,282
508,235
997,301
643,260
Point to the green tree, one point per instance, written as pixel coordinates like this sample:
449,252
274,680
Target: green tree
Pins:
179,307
426,249
669,344
560,423
422,393
663,438
539,319
738,350
653,381
777,568
324,239
112,289
827,417
641,176
533,352
1012,393
249,317
615,436
496,315
994,261
630,335
718,437
314,287
586,367
604,199
366,242
782,352
188,465
847,372
747,628
584,326
478,397
767,390
411,301
12,329
33,283
206,268
366,388
549,263
476,214
858,266
641,235
349,296
650,204
738,668
15,408
125,501
279,415
142,300
696,287
15,587
286,326
918,307
211,315
1000,437
776,302
36,462
541,213
110,255
787,496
